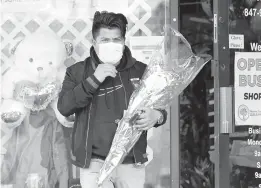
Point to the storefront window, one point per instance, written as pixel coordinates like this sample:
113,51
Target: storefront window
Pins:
244,41
72,22
143,44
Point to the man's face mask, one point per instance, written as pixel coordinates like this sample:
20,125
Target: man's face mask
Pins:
110,52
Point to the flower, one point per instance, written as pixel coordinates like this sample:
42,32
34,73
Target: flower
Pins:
163,79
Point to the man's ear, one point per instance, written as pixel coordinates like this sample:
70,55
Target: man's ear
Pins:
69,47
94,44
93,41
15,44
127,41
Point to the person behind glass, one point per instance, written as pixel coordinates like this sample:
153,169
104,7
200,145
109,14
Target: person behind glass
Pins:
97,90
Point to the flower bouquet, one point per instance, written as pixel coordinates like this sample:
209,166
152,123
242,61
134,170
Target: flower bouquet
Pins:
165,77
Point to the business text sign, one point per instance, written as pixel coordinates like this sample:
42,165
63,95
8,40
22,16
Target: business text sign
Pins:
248,88
25,5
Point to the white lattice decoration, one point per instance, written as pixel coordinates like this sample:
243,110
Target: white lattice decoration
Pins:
139,23
78,31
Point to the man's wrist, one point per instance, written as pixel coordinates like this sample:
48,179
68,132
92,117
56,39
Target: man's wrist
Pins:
91,84
93,81
160,118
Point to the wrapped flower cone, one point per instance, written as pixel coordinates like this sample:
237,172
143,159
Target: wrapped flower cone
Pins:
163,79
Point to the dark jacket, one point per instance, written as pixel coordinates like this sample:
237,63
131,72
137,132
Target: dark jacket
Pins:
97,106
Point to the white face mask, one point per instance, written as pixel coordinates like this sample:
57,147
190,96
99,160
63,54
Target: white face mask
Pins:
110,52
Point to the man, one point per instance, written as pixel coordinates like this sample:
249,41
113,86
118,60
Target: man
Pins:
97,90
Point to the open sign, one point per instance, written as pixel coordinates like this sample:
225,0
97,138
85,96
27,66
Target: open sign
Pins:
247,88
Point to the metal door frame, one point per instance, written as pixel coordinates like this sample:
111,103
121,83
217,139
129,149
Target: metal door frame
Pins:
223,98
174,22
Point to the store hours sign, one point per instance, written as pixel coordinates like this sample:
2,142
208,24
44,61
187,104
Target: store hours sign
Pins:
247,88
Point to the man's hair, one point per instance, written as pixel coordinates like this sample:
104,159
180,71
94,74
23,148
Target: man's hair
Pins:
109,20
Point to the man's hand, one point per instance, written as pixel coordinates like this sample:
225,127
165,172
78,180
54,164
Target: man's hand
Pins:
148,118
104,70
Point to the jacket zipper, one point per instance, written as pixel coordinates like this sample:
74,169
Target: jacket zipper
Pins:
125,97
88,125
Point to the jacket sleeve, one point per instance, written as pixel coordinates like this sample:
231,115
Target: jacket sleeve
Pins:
75,95
165,116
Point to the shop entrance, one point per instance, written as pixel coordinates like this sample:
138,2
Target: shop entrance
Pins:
202,145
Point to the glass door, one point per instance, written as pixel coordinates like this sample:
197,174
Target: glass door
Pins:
72,22
196,111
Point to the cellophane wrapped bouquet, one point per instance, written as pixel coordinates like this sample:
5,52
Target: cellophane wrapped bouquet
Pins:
169,72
